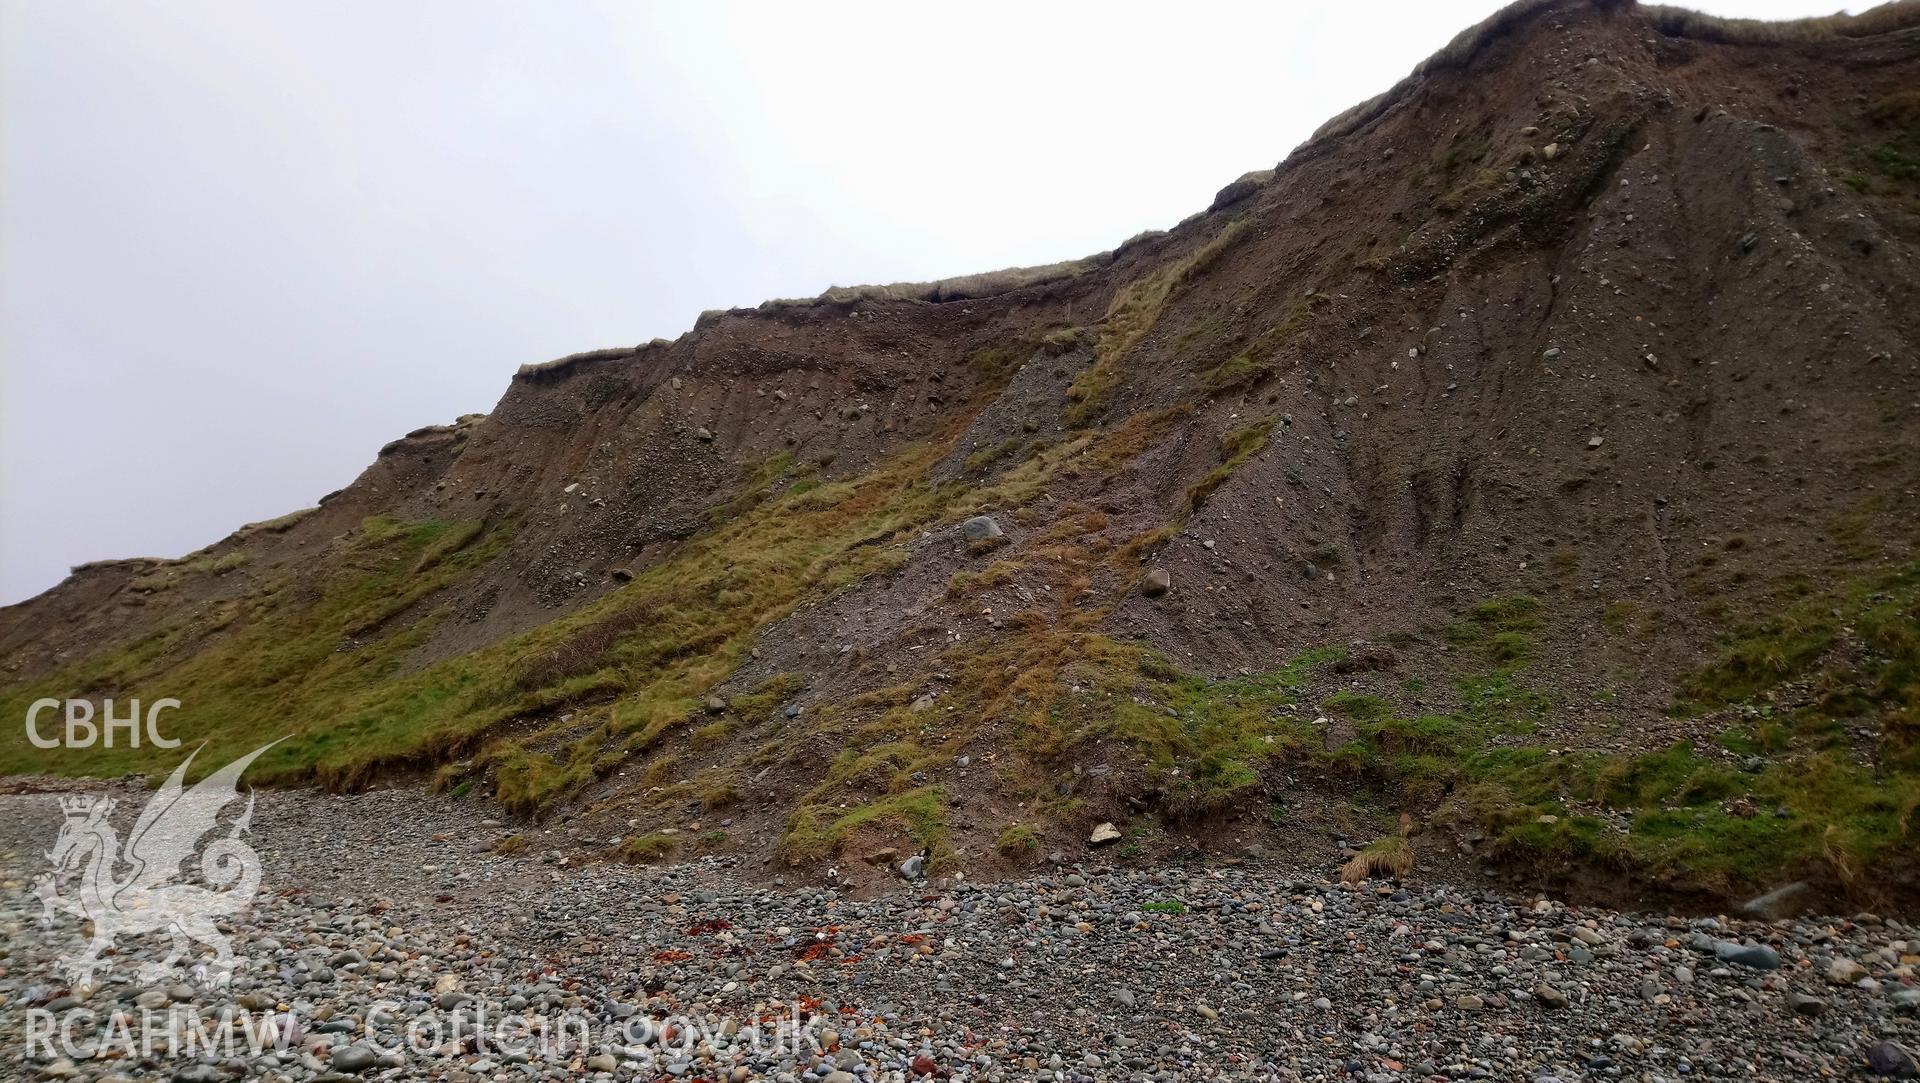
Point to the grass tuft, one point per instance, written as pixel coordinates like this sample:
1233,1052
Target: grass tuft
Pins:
1017,842
1132,313
1389,856
1236,448
646,849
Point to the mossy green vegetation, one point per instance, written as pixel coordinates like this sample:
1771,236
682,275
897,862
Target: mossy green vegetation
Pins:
1237,371
1671,816
759,485
815,831
1850,656
1017,842
1356,706
1886,163
642,659
1206,744
329,665
768,695
646,849
1000,360
1680,816
980,460
1808,806
1464,149
319,666
965,583
1258,360
1255,363
220,565
1501,629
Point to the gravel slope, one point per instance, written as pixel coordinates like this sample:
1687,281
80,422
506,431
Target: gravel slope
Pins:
1091,973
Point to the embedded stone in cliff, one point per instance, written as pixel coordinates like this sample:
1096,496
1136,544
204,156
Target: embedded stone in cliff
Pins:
1246,185
1155,582
980,528
1104,833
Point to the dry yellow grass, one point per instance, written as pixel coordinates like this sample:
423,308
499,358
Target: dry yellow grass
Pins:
958,288
1132,313
1390,856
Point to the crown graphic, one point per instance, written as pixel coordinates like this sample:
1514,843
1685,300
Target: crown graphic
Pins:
80,804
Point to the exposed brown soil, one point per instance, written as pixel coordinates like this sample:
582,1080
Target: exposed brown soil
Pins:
1596,318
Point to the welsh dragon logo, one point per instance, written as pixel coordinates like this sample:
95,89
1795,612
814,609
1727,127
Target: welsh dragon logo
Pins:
140,888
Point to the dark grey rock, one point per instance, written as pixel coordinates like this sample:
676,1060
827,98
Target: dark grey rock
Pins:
1890,1061
1756,956
980,528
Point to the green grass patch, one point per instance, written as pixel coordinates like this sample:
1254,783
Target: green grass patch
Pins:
220,565
816,832
1389,856
1856,650
1205,742
1887,162
1809,811
324,657
759,485
322,664
1500,629
646,849
770,694
1235,372
1354,705
1617,617
1018,841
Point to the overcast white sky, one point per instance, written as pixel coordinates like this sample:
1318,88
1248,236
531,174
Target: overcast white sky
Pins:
242,245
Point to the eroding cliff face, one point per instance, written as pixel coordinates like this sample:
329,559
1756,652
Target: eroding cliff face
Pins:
1533,452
